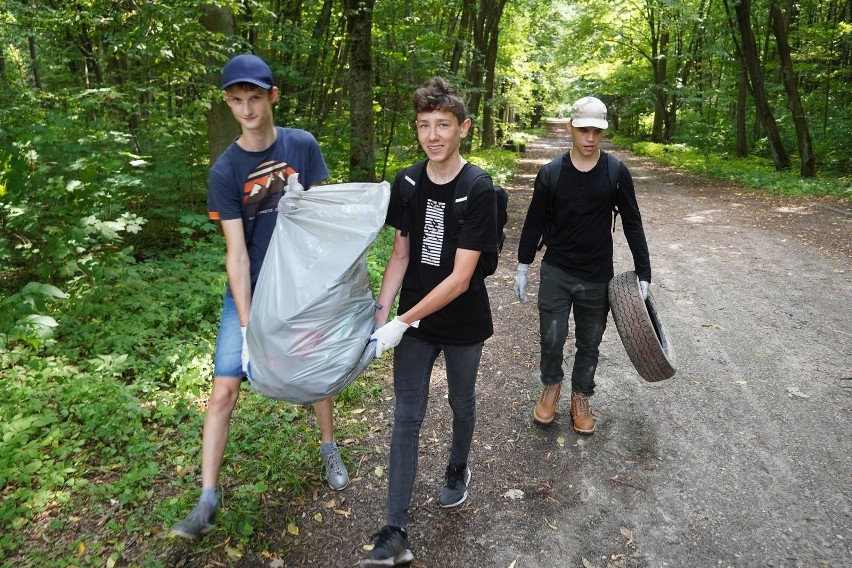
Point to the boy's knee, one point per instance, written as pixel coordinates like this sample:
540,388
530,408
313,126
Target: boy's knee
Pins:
223,398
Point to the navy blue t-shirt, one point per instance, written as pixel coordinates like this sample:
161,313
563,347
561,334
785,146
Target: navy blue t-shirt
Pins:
248,185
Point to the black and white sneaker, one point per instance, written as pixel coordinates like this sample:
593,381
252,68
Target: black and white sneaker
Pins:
454,492
390,549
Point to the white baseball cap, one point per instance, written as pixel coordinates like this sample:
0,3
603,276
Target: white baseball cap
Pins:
589,112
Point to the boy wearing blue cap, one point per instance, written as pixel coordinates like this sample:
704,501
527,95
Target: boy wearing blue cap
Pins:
244,187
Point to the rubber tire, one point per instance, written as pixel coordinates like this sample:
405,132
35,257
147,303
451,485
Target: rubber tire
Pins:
642,331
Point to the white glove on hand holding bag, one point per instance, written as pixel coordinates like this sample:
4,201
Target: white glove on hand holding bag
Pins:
389,335
521,283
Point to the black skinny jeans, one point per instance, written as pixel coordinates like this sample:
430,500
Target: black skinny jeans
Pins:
413,360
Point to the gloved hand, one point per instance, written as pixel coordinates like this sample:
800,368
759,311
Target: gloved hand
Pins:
293,184
644,285
389,335
245,349
521,283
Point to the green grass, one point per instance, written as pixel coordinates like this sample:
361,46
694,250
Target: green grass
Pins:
752,172
101,419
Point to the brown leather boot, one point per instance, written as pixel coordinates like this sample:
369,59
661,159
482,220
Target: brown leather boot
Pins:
581,414
545,410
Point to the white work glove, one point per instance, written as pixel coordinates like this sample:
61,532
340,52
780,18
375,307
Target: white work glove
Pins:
389,335
644,285
521,283
245,349
293,184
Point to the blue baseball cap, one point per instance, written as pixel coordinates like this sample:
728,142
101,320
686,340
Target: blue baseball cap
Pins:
247,68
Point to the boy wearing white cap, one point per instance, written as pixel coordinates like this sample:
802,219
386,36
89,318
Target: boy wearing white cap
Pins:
571,212
244,187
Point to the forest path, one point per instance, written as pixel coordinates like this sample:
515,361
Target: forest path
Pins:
741,459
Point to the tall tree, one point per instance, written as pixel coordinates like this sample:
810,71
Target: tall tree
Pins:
741,143
779,23
362,146
221,126
658,38
747,50
492,40
481,68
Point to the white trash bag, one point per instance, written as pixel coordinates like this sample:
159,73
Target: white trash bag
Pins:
312,310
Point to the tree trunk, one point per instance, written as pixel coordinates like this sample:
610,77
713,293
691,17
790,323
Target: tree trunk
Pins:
741,148
481,70
3,78
660,95
658,39
747,48
466,23
492,24
362,146
794,102
305,105
221,126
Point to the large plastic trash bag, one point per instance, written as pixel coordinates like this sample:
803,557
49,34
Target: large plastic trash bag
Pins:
312,310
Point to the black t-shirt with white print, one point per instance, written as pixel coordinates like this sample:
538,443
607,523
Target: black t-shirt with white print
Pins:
433,239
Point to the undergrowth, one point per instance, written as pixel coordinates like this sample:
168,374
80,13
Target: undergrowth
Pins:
752,172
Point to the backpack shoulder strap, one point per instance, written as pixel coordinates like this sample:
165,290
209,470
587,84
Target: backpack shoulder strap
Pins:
550,173
470,174
407,180
553,170
613,166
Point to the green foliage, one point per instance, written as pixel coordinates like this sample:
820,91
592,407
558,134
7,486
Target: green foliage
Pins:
65,208
752,172
500,164
68,434
22,315
96,418
378,256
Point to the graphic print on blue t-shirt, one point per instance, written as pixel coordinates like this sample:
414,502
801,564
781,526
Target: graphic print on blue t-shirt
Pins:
433,233
264,187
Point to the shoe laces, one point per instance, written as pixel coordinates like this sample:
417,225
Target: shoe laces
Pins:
581,402
455,474
334,463
383,536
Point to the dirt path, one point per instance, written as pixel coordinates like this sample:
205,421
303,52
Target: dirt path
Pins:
742,459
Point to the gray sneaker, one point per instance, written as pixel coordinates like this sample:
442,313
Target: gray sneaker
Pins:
199,521
390,548
335,471
454,492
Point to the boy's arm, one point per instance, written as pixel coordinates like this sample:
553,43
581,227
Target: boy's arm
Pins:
237,266
631,224
448,289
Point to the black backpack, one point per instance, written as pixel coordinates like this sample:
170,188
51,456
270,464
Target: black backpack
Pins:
410,177
613,166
